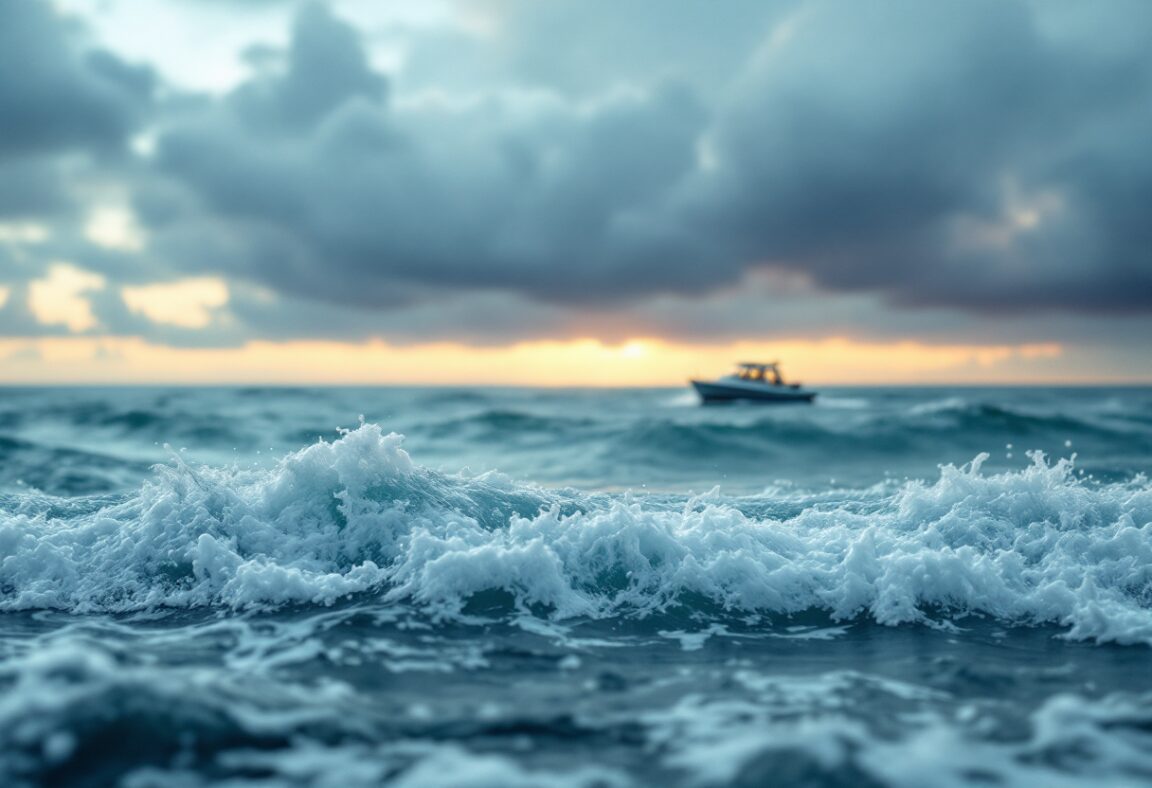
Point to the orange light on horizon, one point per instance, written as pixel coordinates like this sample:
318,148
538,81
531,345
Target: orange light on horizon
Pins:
577,362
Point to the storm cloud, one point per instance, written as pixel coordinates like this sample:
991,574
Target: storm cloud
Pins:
57,98
933,153
332,192
985,157
943,154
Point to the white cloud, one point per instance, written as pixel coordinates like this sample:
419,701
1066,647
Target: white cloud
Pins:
187,303
114,227
57,298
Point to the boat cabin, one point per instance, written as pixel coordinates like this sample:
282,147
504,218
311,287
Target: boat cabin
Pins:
755,372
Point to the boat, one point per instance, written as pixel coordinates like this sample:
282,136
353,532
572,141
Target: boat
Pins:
752,382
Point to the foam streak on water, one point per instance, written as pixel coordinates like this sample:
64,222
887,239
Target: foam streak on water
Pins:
344,614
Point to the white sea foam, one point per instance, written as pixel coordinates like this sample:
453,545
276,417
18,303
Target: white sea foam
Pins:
60,696
809,730
358,516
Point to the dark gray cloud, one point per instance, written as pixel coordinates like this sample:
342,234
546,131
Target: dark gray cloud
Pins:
56,95
31,187
326,67
892,147
58,98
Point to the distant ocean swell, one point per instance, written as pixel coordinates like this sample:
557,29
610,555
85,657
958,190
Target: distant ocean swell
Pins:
977,427
356,518
84,442
954,416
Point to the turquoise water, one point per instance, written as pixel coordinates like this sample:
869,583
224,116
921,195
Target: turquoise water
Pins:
535,587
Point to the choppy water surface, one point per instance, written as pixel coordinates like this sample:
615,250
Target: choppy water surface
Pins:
892,587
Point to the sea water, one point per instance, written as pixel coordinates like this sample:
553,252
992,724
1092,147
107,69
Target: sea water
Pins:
522,587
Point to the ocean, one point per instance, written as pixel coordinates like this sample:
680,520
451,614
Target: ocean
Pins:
539,587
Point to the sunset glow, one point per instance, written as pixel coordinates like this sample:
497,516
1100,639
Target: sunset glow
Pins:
584,362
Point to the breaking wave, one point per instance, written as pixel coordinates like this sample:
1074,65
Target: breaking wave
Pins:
356,517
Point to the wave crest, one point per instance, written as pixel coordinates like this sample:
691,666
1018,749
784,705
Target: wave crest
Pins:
357,516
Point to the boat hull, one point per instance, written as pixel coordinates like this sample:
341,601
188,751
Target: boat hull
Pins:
714,393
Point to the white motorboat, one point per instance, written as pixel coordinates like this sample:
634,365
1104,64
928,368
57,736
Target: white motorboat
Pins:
752,382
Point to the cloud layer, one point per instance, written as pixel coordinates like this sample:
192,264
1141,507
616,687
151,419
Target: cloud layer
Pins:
527,164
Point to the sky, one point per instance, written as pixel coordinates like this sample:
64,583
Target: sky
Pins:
568,192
